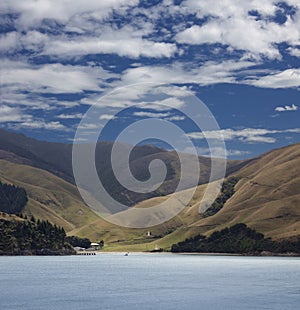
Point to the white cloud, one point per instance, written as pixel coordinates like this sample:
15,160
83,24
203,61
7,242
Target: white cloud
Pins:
163,105
8,41
137,95
70,116
32,13
89,126
231,152
17,118
175,118
285,79
285,108
12,114
248,135
23,85
40,124
151,114
65,30
84,31
294,51
210,72
178,91
85,27
107,116
216,152
51,78
118,42
230,23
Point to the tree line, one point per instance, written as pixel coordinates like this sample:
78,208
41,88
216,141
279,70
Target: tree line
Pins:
237,239
31,237
13,199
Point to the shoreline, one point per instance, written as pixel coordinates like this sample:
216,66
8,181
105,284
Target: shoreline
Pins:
127,253
265,254
164,253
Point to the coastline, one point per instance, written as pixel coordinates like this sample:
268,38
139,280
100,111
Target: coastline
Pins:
264,254
127,253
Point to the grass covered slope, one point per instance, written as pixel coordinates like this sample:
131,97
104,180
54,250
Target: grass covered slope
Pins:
266,198
268,195
56,158
49,197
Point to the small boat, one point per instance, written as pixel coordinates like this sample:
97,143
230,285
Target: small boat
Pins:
126,254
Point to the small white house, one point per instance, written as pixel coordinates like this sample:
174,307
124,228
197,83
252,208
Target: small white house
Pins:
95,244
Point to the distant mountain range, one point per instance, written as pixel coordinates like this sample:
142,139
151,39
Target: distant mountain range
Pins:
266,198
56,158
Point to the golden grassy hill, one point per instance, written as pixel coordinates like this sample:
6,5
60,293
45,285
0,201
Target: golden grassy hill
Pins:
50,197
267,198
58,201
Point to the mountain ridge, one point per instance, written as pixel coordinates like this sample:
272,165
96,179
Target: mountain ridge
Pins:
57,158
266,198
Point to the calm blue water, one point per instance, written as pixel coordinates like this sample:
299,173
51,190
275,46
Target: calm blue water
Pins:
149,281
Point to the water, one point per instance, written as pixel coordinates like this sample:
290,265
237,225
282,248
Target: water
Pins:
149,281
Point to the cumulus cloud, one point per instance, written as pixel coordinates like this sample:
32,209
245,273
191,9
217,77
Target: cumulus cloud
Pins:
247,25
41,87
51,78
288,78
54,36
285,108
32,12
16,118
84,30
12,114
211,72
8,41
115,43
294,51
248,135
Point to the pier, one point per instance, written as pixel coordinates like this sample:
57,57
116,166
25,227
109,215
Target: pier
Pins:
86,253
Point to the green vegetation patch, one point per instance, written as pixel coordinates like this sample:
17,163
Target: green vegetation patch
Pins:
13,199
238,239
227,192
32,238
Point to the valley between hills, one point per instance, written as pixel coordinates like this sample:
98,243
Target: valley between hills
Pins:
266,196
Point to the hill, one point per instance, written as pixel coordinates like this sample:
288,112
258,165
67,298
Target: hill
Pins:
266,197
53,199
56,158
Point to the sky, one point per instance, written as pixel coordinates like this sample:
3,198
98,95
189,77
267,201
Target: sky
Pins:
240,58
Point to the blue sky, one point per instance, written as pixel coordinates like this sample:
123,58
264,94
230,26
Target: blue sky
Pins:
240,58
